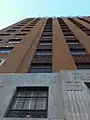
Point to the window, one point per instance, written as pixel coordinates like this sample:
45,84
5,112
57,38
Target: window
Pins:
87,32
44,47
44,53
68,34
20,25
25,30
16,27
2,60
29,27
72,43
41,68
47,30
23,23
78,52
29,102
42,44
14,41
45,41
48,27
5,49
70,37
46,37
83,65
11,30
47,34
39,59
76,46
4,34
21,34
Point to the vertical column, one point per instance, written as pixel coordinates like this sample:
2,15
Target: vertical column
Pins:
85,24
61,58
26,62
19,52
80,35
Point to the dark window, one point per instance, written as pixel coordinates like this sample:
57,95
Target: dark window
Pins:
47,30
14,40
82,58
46,37
45,44
11,30
68,34
16,27
76,52
29,27
42,59
25,30
83,65
41,68
44,52
45,40
47,34
4,34
20,25
75,46
72,37
23,23
32,24
5,49
29,102
21,34
72,41
66,30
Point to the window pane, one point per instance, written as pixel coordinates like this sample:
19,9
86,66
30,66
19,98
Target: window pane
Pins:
45,43
41,103
41,70
27,102
14,114
32,103
42,94
17,104
74,43
44,53
32,94
78,53
21,94
13,42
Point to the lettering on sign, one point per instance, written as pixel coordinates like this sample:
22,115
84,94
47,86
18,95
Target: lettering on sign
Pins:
81,76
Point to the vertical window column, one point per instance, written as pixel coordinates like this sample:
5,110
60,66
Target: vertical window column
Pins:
77,50
42,60
84,29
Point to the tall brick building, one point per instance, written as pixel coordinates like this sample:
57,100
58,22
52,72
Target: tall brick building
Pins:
45,45
55,52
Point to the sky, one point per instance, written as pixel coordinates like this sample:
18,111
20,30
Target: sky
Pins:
12,11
